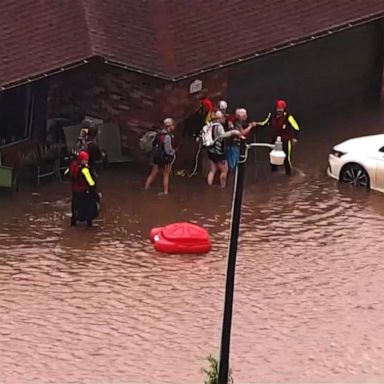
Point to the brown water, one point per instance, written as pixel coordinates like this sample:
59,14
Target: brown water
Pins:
98,305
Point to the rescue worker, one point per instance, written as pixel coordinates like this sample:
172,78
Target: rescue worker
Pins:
207,108
163,154
198,118
85,199
282,124
216,154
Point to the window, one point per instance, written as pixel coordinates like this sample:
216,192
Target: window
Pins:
16,106
381,149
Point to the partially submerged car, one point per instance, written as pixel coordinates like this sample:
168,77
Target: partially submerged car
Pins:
359,161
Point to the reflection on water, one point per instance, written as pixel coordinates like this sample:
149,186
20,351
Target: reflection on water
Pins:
81,305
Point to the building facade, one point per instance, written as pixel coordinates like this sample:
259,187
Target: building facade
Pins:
317,74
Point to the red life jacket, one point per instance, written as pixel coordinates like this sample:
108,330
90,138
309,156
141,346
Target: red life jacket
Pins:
229,120
79,184
281,127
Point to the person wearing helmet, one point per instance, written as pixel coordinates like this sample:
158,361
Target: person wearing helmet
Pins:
195,121
207,109
222,106
85,200
282,124
229,119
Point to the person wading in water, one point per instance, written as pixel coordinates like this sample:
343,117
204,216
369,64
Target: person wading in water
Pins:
162,155
85,200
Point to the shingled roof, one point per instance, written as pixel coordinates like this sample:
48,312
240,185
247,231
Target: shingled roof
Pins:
37,36
171,39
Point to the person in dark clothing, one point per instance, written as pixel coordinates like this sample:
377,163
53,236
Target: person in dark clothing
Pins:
163,154
283,124
81,142
85,200
94,151
196,120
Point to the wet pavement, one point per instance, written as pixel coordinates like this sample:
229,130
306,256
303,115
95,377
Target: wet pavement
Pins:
98,305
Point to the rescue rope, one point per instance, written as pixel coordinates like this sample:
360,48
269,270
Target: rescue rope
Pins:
194,172
172,162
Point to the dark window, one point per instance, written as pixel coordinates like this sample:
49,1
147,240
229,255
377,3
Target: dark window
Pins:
15,108
381,149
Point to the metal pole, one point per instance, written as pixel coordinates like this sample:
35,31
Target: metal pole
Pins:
231,266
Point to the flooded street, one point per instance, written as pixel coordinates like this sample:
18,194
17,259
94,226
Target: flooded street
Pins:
98,305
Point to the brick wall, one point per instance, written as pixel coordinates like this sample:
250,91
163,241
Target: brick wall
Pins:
135,102
179,104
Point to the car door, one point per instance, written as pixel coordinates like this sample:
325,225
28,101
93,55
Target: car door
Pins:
380,168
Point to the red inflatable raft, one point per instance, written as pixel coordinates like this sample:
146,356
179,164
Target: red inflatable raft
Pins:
180,238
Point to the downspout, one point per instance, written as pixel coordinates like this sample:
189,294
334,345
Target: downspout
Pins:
380,62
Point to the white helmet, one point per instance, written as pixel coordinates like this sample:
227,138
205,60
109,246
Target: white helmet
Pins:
223,105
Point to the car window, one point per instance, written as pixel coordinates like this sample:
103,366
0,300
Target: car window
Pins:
381,149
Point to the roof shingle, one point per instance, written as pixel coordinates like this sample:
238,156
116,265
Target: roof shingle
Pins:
216,31
168,38
40,35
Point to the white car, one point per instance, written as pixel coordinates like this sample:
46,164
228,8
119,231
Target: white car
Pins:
359,161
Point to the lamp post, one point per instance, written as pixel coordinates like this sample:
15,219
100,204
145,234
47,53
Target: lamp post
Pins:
277,157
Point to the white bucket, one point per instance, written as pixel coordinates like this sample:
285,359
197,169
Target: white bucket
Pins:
276,157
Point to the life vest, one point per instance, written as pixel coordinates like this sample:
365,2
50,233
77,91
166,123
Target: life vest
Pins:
281,127
228,119
80,176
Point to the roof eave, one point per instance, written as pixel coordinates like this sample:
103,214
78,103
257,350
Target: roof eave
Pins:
283,46
45,74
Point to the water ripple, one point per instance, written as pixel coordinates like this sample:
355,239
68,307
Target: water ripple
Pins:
99,305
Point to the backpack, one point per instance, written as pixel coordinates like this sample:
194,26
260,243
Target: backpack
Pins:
147,141
158,150
207,135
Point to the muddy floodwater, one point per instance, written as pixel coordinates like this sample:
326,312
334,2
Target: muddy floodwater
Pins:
98,305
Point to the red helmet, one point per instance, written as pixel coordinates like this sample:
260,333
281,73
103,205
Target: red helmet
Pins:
280,104
83,156
207,104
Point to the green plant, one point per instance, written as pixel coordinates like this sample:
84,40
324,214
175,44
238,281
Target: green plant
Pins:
212,372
